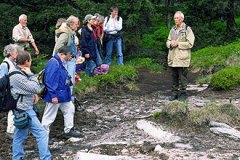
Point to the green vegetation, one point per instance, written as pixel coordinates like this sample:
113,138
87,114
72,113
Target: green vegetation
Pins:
145,63
210,57
117,76
226,113
177,112
227,79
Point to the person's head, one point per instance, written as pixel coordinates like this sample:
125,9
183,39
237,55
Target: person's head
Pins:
11,51
73,22
100,19
24,59
60,21
90,19
178,18
114,11
65,53
23,19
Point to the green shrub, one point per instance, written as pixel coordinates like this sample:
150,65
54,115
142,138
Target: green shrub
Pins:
227,79
117,75
209,57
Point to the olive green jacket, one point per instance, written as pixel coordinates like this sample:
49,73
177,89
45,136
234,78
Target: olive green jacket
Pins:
180,56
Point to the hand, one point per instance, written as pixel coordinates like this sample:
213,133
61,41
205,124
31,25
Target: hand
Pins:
55,100
174,43
87,55
36,99
26,70
36,52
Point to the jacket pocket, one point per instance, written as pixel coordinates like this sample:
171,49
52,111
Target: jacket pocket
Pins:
183,54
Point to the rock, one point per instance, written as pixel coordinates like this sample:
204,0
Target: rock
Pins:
218,124
155,131
93,156
183,146
158,148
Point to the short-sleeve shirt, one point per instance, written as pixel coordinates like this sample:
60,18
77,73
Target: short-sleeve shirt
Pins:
20,32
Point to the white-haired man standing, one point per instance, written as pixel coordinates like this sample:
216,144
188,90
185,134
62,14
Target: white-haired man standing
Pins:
22,35
180,41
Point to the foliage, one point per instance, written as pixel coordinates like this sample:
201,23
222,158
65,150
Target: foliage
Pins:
227,79
226,113
145,63
156,115
204,79
117,75
175,110
209,57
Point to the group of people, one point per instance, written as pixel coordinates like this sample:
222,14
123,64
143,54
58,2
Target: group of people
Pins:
59,73
60,70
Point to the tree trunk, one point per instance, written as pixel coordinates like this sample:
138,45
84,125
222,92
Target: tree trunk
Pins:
230,16
168,4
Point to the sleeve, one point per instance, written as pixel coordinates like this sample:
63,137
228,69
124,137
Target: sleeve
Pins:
52,77
25,85
16,34
190,38
104,24
119,24
61,41
84,42
168,43
3,69
30,36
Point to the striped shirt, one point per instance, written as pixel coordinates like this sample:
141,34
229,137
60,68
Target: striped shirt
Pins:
26,86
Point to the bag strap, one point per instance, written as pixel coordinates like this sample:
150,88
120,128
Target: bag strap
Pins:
8,66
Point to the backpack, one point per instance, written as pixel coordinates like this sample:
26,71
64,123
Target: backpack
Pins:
41,80
41,76
102,69
7,102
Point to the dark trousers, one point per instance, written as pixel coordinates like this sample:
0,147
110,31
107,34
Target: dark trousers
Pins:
179,80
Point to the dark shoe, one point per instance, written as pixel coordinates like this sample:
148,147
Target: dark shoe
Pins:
78,106
72,133
182,97
9,135
173,97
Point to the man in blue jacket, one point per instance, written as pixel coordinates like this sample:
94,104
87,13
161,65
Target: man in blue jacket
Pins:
58,95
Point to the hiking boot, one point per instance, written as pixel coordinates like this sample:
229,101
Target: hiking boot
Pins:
182,97
79,108
9,135
173,97
72,133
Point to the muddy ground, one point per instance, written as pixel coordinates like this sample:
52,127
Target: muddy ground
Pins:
110,114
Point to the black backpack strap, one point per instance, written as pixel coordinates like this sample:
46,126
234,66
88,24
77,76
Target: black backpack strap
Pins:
15,72
8,66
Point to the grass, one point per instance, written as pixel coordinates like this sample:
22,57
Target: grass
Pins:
145,63
177,112
118,75
210,57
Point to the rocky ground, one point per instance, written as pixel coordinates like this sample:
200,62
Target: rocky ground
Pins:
118,125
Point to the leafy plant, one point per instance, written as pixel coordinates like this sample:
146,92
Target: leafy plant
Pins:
227,79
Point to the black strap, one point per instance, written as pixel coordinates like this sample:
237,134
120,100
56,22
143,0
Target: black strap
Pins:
8,66
108,17
15,72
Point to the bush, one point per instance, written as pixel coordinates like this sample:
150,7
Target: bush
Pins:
226,113
227,79
117,75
